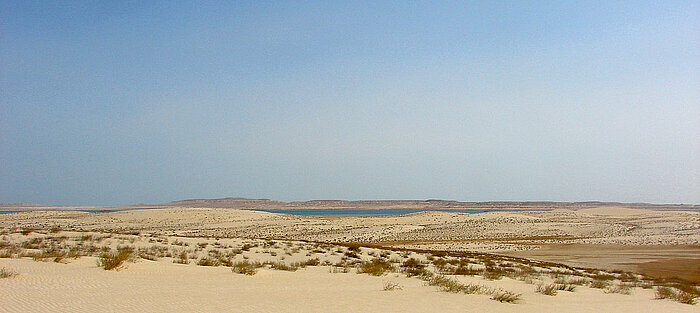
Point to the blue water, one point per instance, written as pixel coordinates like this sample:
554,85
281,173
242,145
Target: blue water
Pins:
368,211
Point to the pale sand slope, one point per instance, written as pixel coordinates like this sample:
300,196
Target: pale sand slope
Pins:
494,232
590,226
162,286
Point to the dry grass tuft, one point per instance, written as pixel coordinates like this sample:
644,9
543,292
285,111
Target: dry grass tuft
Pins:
245,268
283,267
390,286
621,289
376,267
505,296
676,295
182,258
310,262
466,271
413,267
600,284
7,273
452,285
110,260
208,261
549,290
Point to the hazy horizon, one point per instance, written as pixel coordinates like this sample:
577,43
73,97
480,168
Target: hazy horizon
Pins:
350,200
148,102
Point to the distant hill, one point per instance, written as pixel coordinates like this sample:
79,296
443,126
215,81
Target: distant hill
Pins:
37,207
245,203
19,205
224,203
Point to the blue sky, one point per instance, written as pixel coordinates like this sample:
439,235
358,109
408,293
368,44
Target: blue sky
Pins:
144,102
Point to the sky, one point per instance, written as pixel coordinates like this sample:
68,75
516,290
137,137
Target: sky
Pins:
123,102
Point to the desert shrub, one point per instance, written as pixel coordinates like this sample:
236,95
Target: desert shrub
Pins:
338,269
354,248
600,284
676,295
526,279
505,296
416,271
645,284
493,273
466,270
225,260
283,267
220,258
7,273
389,286
376,267
110,260
577,281
628,277
352,254
147,255
549,290
34,243
412,263
621,289
413,267
445,284
563,284
182,258
686,297
488,262
208,261
311,262
74,253
6,253
603,277
439,263
452,285
50,253
560,280
687,287
566,287
664,293
245,268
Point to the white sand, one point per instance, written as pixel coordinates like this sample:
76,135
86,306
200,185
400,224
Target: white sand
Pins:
162,286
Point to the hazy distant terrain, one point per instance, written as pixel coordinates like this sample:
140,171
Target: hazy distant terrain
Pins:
245,203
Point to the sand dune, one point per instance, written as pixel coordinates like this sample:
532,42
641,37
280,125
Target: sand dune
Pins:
165,287
159,237
79,285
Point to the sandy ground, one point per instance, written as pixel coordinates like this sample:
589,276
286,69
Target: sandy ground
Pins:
658,261
79,285
591,226
165,287
644,241
494,232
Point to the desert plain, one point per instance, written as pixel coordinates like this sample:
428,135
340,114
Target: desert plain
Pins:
228,256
